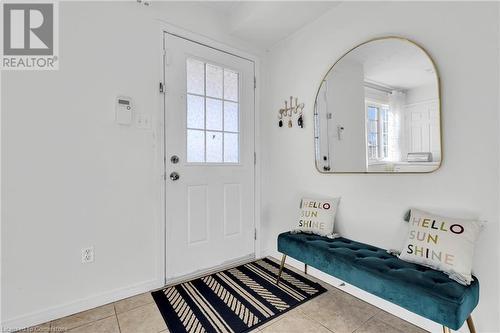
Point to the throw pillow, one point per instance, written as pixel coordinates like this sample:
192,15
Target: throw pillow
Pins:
442,243
317,216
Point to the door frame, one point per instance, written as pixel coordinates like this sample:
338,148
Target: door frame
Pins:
166,28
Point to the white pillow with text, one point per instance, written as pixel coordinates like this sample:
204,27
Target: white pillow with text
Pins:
442,243
317,216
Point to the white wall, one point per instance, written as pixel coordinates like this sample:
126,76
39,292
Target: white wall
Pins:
72,177
377,95
463,40
421,94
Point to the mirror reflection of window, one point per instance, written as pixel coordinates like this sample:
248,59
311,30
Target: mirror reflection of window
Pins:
386,105
377,138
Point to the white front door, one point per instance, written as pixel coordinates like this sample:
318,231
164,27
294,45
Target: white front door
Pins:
209,133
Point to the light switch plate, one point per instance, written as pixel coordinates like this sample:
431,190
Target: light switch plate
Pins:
142,120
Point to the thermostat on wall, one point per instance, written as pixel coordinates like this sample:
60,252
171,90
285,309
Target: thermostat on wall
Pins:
124,109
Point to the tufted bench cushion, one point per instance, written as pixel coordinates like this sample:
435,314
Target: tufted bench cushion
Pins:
419,289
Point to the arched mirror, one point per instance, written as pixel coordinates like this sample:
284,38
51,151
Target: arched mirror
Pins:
377,110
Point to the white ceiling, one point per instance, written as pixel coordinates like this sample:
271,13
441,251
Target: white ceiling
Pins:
264,23
394,63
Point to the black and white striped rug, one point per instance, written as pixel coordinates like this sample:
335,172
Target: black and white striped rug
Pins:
235,300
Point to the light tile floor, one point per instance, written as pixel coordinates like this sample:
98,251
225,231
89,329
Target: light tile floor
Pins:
334,311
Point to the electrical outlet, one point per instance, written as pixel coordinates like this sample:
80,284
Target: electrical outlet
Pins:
88,255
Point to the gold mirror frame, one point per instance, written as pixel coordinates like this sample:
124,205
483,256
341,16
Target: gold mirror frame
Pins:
438,79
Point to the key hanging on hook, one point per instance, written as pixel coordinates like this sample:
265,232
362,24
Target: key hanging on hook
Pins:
300,121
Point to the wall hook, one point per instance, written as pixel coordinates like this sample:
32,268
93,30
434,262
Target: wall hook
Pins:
289,110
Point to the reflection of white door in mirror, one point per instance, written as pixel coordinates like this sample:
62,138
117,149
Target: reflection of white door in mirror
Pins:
378,104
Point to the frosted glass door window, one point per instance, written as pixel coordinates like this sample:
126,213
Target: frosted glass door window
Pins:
231,147
212,113
231,120
195,112
230,86
213,79
195,77
214,147
196,142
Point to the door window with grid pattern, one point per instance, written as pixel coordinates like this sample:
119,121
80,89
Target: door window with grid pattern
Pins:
212,113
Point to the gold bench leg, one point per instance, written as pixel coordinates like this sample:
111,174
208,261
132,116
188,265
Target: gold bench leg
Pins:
281,268
470,323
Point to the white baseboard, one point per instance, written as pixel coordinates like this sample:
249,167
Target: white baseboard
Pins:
387,306
63,310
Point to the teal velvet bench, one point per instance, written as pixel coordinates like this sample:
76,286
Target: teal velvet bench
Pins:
419,289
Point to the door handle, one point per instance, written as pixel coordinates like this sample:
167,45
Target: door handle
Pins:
174,176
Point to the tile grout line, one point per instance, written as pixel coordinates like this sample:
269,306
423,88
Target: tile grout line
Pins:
314,320
327,328
393,326
134,307
278,318
93,321
90,322
376,313
117,321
